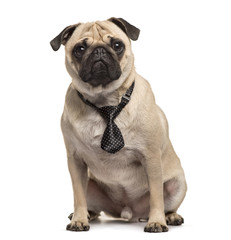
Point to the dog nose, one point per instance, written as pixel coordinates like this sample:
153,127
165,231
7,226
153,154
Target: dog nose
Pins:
100,52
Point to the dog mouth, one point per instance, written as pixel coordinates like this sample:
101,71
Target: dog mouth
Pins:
99,68
98,74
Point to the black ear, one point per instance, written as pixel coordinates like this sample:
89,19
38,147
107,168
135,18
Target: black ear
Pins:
63,37
131,31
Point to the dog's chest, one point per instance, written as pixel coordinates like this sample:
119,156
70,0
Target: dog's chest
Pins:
91,129
123,168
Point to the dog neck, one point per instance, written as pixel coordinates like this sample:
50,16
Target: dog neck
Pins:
104,100
110,98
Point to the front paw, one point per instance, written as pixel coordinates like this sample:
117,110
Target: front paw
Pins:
78,226
155,227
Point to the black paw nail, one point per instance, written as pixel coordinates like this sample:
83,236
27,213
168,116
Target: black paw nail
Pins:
86,228
165,229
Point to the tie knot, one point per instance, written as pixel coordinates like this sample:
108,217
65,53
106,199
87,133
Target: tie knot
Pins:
109,112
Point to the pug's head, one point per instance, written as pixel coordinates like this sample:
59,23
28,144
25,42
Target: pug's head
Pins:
98,54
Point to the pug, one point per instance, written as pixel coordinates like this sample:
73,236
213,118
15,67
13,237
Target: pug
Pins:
120,157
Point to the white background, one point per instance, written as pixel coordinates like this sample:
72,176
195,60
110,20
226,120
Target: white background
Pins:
184,50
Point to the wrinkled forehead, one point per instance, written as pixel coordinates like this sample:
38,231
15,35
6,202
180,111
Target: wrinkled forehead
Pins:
97,32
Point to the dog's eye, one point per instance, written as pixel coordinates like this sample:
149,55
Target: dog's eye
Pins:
79,51
118,47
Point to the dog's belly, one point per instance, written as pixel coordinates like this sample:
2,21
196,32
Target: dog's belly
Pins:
121,175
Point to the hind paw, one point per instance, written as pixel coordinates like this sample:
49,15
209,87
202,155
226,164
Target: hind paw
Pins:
174,219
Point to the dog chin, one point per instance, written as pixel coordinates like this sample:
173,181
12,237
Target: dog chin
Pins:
95,82
99,78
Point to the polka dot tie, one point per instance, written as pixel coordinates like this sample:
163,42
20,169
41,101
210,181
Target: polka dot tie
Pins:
112,140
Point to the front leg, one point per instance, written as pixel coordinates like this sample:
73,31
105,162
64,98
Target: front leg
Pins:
152,165
79,177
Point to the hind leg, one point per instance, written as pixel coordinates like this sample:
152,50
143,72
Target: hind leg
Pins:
98,200
174,193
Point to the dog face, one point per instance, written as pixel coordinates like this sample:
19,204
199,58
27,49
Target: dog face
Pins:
98,54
